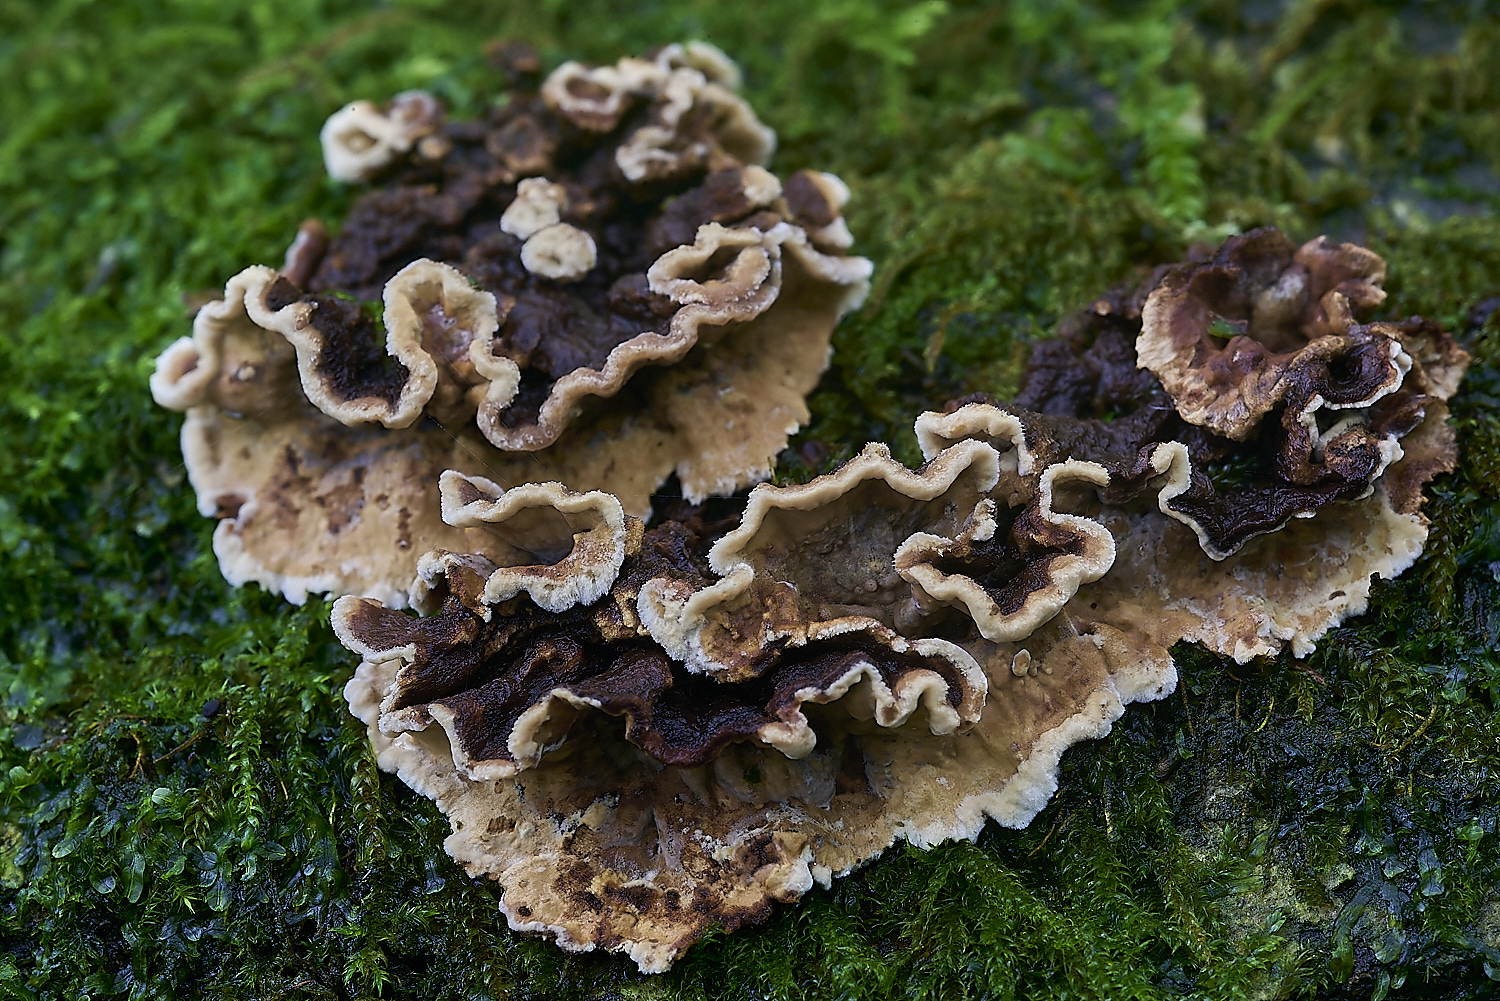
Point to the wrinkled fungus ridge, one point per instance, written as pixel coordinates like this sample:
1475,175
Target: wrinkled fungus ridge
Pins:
785,714
599,266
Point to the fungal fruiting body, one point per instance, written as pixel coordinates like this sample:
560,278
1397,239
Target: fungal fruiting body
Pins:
767,701
464,400
599,266
644,730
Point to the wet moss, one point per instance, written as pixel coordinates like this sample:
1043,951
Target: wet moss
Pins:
187,810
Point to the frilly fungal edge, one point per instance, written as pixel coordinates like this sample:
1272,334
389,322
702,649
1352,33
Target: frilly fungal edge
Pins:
529,296
795,691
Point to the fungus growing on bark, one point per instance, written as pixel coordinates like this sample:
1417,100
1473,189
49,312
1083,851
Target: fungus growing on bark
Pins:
797,690
874,541
542,312
498,671
1294,515
1252,451
1022,587
1288,587
305,504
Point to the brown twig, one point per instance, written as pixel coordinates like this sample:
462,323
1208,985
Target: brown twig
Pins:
186,743
1416,736
1048,837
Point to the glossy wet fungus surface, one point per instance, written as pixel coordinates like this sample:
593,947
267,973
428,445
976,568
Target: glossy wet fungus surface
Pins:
599,267
658,730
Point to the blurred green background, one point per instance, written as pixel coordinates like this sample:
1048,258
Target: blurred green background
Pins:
186,808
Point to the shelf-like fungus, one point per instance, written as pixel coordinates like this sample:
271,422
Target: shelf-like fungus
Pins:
644,731
796,688
595,269
1251,508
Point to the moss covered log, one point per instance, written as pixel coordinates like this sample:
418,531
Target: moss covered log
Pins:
187,808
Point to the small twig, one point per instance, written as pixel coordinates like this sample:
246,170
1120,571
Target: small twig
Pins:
1055,825
1269,710
186,743
1417,736
140,757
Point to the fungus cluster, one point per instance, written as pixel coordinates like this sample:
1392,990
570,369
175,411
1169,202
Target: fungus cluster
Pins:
643,728
598,267
772,698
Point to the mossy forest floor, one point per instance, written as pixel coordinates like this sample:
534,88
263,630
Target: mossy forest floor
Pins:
186,807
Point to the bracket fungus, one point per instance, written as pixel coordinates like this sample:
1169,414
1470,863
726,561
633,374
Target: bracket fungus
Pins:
596,269
645,731
1252,508
768,701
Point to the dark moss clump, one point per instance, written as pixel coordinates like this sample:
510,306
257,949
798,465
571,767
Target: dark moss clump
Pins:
186,808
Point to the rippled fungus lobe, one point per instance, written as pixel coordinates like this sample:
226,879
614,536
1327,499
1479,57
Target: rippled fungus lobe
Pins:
1269,418
1293,490
596,268
643,732
795,688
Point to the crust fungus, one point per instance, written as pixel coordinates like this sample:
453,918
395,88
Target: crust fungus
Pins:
512,299
642,732
734,710
1251,505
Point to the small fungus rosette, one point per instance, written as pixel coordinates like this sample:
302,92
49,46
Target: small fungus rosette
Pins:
1367,407
1260,346
599,267
1257,532
650,731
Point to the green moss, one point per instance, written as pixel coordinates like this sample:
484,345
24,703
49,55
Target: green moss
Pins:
186,808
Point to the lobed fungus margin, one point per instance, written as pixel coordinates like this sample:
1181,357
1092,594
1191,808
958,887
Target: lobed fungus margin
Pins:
544,306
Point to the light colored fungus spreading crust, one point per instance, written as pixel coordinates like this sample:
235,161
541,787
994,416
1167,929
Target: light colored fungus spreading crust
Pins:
596,283
643,732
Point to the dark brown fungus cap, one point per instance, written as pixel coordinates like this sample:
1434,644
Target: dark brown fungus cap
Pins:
1304,406
511,298
1264,322
1300,510
538,205
502,666
877,542
1333,419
